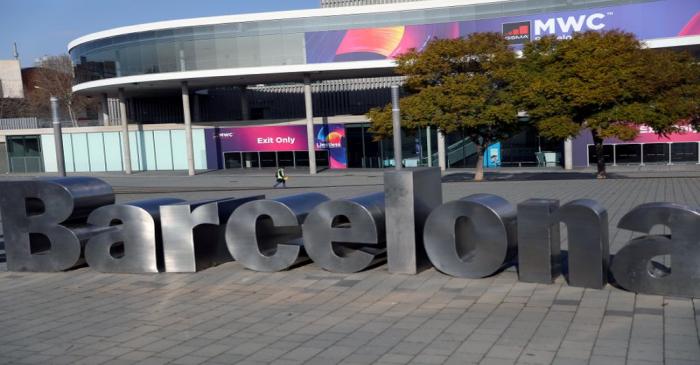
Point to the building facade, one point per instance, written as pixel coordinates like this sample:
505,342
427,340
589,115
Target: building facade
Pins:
311,76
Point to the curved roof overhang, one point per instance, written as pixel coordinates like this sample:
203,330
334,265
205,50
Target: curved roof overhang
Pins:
238,76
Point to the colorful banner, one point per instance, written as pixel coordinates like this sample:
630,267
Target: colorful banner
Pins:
648,20
492,157
329,137
647,135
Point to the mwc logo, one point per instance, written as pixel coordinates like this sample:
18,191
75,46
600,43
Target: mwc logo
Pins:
565,26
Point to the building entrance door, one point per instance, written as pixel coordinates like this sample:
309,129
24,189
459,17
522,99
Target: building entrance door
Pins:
293,159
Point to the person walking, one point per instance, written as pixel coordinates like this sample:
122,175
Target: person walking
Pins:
281,178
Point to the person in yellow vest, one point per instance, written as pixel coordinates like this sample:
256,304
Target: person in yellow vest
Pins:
281,178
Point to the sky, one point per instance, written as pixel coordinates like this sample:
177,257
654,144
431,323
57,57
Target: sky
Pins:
45,27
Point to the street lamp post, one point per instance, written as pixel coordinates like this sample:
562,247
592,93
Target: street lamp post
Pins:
58,137
396,123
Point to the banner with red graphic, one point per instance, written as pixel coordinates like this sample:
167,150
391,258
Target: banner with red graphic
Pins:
647,20
328,137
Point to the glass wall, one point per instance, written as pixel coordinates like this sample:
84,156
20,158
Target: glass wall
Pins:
269,42
24,154
648,153
248,160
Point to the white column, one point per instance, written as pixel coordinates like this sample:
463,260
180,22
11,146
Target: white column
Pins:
245,106
670,148
698,153
310,125
126,152
441,150
188,128
569,154
105,110
614,155
430,147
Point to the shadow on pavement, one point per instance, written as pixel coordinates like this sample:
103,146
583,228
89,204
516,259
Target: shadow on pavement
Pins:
525,176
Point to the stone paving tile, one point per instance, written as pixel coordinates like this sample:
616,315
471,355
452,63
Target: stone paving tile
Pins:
228,314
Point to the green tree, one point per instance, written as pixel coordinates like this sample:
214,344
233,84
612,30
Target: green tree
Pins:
464,84
608,83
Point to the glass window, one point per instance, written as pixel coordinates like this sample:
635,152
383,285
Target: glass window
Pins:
285,159
232,160
268,42
15,146
684,152
31,146
607,152
302,158
322,159
656,153
268,159
251,160
628,154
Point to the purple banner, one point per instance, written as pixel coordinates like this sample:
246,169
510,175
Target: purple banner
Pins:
648,20
328,137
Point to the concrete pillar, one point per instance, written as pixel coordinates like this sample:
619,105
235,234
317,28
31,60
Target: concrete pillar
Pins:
430,147
105,110
188,127
441,150
569,154
245,106
310,135
126,149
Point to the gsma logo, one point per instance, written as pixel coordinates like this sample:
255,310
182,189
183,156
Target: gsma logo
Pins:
517,33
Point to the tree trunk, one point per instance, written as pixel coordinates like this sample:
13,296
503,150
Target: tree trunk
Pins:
479,171
600,156
69,106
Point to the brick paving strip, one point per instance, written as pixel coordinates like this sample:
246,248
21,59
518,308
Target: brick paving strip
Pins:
230,315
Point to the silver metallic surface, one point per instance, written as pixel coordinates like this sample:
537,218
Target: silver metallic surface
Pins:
346,236
589,253
132,246
265,235
473,237
396,124
632,266
34,214
57,137
193,233
539,241
410,195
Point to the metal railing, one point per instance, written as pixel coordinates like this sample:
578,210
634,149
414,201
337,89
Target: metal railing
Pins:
18,123
455,152
35,123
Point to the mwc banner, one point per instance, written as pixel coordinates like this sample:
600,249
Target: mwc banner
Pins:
328,137
648,20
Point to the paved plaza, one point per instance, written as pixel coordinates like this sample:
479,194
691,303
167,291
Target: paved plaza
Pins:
230,315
